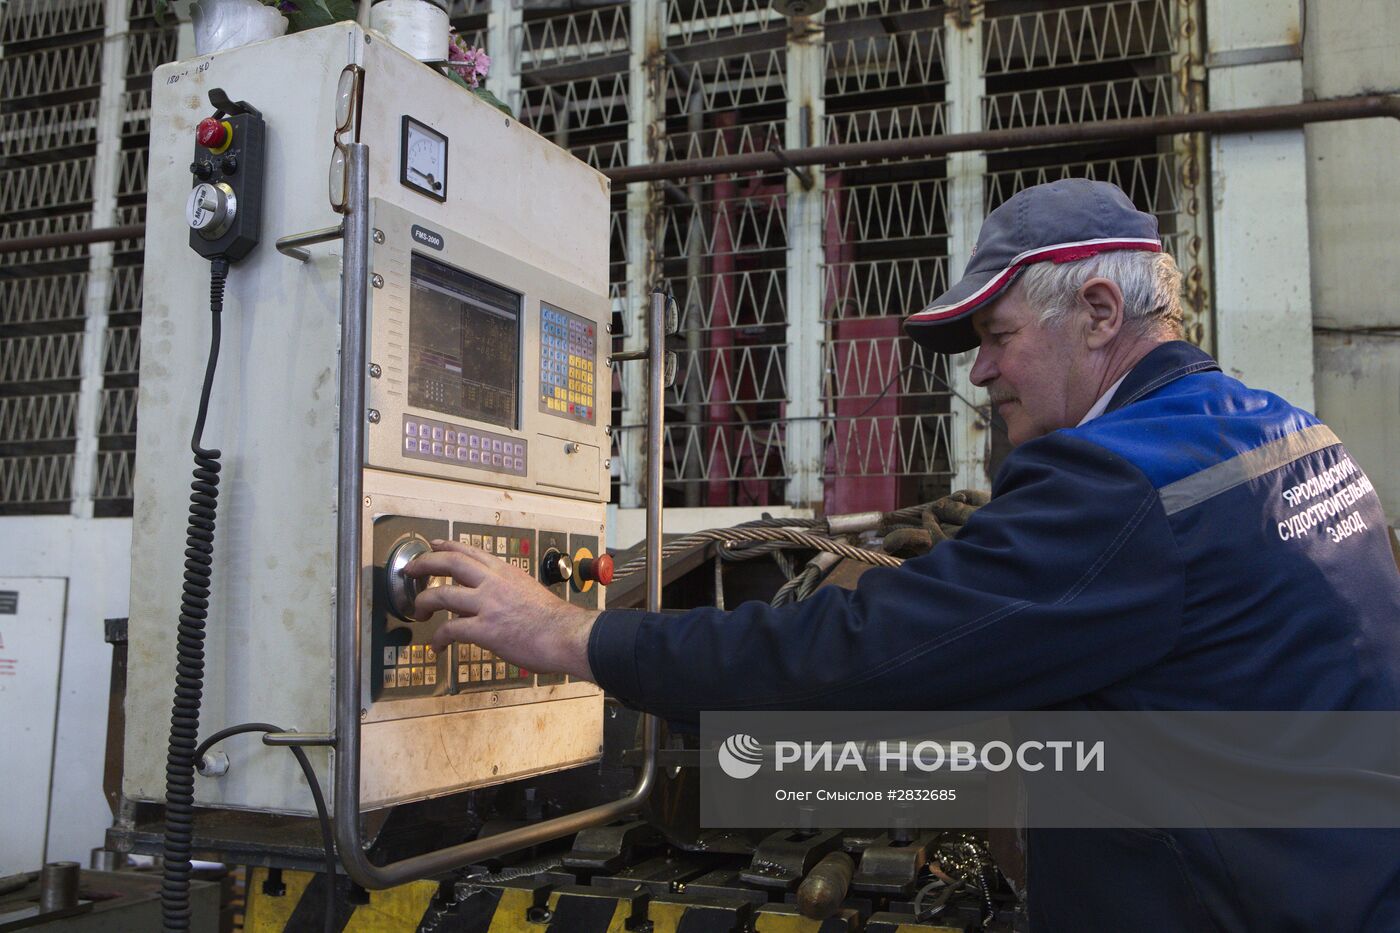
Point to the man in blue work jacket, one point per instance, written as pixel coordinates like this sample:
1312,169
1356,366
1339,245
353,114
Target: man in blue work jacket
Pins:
1162,537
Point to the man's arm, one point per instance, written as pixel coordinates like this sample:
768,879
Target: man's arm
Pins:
1068,581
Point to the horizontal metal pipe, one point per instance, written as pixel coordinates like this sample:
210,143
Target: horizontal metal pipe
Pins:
1248,120
299,739
73,238
1218,122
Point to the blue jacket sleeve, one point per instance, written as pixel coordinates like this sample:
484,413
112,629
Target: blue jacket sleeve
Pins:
1067,582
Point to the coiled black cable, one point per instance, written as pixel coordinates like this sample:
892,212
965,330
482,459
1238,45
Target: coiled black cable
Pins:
194,611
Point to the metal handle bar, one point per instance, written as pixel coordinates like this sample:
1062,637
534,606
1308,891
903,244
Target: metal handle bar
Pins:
287,245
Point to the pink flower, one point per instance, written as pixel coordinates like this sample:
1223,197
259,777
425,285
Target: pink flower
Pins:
471,62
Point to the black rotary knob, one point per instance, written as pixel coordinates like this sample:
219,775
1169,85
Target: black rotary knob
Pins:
555,567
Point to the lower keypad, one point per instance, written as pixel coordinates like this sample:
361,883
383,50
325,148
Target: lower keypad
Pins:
410,666
479,668
438,441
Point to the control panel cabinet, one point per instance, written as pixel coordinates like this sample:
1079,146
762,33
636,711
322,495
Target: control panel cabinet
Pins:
485,418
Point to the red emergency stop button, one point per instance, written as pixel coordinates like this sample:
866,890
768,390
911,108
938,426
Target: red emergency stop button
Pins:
598,569
214,135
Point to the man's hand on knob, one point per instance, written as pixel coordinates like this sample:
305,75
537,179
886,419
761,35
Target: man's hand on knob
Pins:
504,610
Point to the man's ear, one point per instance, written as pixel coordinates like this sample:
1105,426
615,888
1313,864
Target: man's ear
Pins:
1103,299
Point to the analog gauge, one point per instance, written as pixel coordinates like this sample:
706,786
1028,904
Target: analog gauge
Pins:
424,159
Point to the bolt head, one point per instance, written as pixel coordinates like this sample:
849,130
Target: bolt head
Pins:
378,236
214,764
377,280
374,371
374,416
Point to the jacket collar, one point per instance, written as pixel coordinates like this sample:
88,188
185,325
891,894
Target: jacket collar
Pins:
1167,363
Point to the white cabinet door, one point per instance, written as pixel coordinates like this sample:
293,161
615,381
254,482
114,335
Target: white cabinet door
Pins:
31,645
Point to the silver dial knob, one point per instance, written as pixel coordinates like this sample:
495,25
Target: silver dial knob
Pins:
403,589
210,209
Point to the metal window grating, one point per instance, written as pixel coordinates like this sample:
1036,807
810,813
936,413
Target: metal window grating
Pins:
885,436
149,44
722,247
46,186
26,419
50,103
39,130
1098,61
27,20
1054,37
74,67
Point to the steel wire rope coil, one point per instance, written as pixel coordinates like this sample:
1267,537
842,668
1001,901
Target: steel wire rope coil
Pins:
796,536
749,550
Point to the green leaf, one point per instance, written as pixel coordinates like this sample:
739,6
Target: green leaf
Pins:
313,13
480,92
452,73
494,101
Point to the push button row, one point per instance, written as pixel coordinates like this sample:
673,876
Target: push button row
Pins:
418,676
409,654
487,673
462,447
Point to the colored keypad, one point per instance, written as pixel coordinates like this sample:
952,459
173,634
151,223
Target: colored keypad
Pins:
568,349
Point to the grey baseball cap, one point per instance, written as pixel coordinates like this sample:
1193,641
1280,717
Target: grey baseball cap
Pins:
1060,221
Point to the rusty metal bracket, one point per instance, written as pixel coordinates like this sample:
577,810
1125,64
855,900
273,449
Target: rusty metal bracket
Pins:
781,860
890,867
608,848
803,175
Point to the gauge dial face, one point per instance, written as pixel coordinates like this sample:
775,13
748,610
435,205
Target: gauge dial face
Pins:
424,159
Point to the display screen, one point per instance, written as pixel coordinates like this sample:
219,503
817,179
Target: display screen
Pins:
463,345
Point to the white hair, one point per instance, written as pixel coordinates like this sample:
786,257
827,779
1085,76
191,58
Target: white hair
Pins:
1150,282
